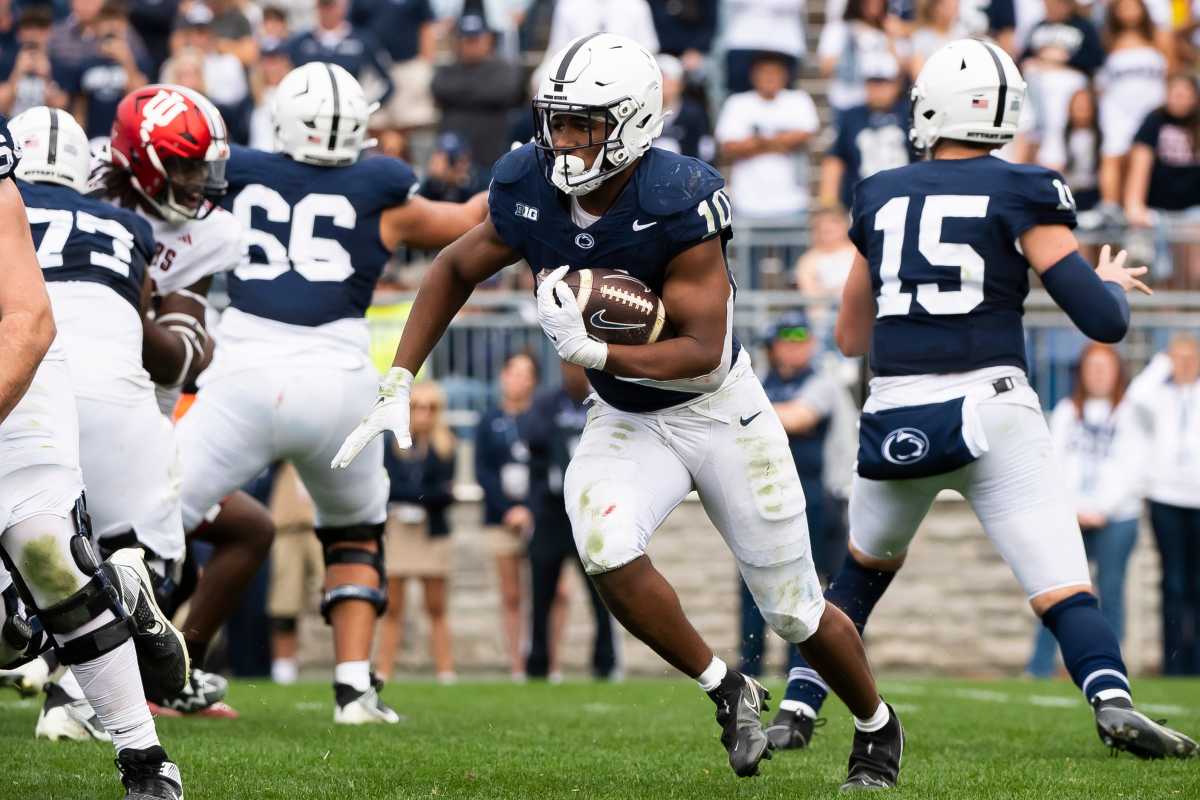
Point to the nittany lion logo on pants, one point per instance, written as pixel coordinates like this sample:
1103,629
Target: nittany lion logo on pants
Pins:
905,446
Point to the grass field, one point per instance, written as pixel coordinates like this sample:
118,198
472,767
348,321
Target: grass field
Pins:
652,739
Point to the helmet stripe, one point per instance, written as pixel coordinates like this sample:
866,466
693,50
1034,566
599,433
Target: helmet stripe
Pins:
52,156
1002,92
566,61
337,108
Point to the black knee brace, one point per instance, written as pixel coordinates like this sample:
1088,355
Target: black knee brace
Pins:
354,555
283,624
22,638
94,598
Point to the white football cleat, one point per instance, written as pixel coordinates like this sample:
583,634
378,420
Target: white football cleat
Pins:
63,717
28,679
352,707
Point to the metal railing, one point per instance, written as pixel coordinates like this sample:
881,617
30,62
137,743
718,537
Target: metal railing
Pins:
495,324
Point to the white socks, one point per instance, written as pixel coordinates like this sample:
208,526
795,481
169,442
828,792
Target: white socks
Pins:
803,709
355,674
713,675
113,687
284,671
877,720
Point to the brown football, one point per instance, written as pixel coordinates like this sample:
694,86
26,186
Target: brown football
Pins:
618,308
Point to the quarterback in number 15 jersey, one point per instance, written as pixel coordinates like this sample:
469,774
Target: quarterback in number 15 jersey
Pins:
941,241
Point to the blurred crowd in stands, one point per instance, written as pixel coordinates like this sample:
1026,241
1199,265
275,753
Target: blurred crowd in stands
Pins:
762,87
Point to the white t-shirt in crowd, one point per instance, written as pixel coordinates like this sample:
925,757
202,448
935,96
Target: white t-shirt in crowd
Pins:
1050,90
1169,416
769,184
1098,455
848,42
1132,83
776,25
924,42
225,78
574,18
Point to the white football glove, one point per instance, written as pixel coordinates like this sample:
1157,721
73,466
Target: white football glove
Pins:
389,414
563,323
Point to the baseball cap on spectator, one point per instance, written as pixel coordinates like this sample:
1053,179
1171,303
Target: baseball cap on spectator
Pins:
452,145
272,47
879,65
791,327
472,25
197,15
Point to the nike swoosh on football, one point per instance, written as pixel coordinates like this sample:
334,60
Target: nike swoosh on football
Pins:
747,420
638,226
598,321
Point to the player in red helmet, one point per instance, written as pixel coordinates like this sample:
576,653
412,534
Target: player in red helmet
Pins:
166,160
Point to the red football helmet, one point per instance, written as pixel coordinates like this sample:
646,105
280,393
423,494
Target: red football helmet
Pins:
172,142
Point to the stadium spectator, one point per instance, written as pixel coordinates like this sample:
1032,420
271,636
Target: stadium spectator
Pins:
154,20
937,24
77,38
503,18
450,175
573,18
408,31
1166,396
752,26
1065,36
688,129
502,471
334,40
871,137
224,74
552,428
821,272
762,132
845,44
28,77
297,568
418,529
477,92
274,29
1132,83
1164,162
1097,442
1077,153
273,64
232,31
99,80
185,68
804,399
685,29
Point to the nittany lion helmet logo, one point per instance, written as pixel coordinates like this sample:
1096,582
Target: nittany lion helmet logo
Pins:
905,446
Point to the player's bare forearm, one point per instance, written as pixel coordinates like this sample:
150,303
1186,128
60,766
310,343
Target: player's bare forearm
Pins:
166,356
856,317
738,149
788,141
696,298
428,224
26,318
454,274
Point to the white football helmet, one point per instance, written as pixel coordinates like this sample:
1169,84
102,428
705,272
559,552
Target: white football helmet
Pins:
54,148
599,74
969,90
320,115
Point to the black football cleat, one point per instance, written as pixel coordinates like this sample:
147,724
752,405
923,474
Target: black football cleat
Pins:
792,730
162,655
1123,727
741,700
149,775
875,757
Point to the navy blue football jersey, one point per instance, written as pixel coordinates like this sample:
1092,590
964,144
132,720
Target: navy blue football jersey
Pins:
870,141
941,241
671,204
315,251
80,238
